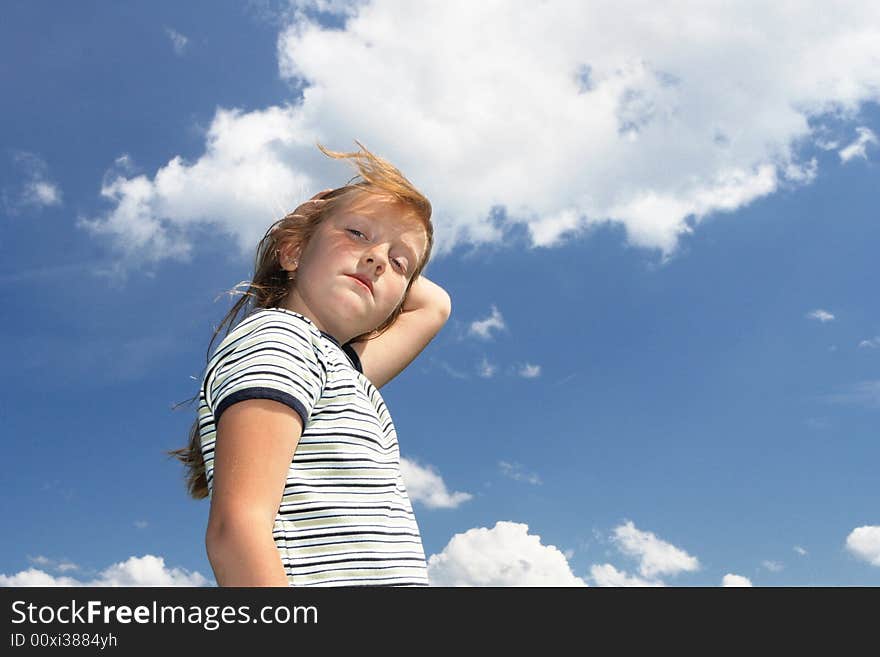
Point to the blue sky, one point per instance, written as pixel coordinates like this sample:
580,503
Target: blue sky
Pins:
663,361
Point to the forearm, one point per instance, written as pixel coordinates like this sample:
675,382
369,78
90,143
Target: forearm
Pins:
243,557
427,294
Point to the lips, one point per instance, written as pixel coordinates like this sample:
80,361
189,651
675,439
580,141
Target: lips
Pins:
363,280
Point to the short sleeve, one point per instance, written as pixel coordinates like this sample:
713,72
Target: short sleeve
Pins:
274,360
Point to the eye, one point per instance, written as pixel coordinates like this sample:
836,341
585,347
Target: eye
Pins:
399,264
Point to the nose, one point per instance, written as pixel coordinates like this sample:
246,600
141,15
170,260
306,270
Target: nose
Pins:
377,257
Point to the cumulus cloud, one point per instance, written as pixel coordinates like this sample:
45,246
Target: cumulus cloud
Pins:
682,129
148,570
864,543
857,148
735,580
484,327
505,555
656,557
822,315
178,40
35,189
426,486
801,551
607,575
529,371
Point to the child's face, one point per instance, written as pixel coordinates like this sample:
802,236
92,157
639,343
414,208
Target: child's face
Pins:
373,237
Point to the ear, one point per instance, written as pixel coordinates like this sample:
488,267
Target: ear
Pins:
287,254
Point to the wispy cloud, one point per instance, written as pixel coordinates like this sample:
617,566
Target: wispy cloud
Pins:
35,189
872,343
772,566
449,369
857,148
486,370
822,315
516,472
864,393
178,40
484,327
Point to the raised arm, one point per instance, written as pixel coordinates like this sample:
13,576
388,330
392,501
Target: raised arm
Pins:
425,311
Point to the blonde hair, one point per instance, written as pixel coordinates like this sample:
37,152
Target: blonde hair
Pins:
271,284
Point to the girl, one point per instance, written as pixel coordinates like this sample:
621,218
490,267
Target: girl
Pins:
293,442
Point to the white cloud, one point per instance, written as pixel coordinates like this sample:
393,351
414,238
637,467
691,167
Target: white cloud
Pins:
822,315
135,571
772,566
864,393
735,580
446,367
506,555
484,327
486,370
870,344
656,556
515,472
178,40
864,542
682,129
424,485
801,551
857,148
35,189
40,560
62,566
530,371
608,575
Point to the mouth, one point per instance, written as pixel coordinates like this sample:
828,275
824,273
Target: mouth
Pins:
361,283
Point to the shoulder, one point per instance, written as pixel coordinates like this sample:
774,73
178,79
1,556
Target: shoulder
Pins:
264,326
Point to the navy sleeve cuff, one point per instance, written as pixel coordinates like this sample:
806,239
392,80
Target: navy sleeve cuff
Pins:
262,393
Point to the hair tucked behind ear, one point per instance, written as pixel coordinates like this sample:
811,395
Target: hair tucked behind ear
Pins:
271,284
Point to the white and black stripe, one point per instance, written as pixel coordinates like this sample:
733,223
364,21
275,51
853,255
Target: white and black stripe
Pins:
345,517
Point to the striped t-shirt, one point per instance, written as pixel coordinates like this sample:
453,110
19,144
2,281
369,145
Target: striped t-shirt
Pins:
345,517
